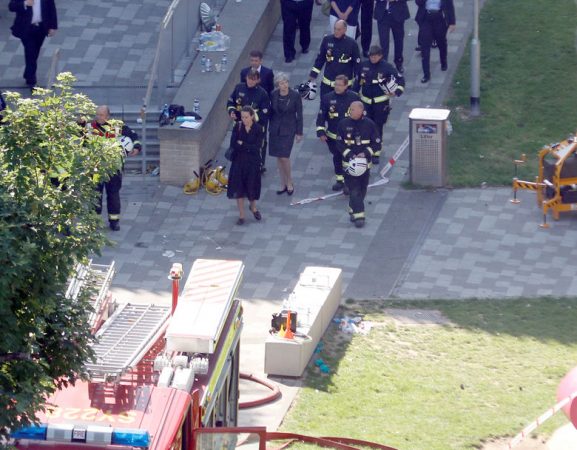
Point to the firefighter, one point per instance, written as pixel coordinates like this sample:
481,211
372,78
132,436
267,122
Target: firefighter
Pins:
371,84
101,127
335,107
357,139
251,94
339,54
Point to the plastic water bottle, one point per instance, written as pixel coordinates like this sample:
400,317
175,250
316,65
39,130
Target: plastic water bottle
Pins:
165,113
208,65
196,106
203,63
223,63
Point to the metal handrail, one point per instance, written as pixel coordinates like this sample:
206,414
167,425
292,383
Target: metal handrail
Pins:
53,68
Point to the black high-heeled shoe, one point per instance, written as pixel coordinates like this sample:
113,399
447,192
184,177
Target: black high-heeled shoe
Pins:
282,192
257,215
290,191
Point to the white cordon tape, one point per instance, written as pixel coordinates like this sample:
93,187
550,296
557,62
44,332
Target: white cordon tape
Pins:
539,421
384,180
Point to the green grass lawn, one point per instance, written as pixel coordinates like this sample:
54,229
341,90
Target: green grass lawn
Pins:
528,90
495,369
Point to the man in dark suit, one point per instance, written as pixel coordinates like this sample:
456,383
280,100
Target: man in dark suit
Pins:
266,74
296,14
35,19
435,18
390,16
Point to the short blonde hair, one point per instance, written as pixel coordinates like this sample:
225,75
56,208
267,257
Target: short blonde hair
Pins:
281,76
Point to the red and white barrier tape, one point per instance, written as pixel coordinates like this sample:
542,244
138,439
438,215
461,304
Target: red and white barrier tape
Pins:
540,420
384,180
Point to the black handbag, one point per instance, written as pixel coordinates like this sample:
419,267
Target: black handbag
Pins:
229,154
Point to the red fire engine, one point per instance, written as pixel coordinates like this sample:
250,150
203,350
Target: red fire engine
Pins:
164,378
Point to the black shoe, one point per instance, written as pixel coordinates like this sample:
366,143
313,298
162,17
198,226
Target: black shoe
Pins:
425,79
240,221
360,223
418,48
400,69
338,186
289,59
290,191
114,225
351,218
305,51
282,192
444,67
262,170
257,215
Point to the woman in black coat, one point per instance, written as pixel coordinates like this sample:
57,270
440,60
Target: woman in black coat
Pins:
286,124
244,175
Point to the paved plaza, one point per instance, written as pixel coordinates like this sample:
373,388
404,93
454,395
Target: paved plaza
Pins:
416,244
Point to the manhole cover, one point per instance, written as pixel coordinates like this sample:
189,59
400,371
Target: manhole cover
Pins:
418,316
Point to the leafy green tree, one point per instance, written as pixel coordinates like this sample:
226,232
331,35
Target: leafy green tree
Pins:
49,166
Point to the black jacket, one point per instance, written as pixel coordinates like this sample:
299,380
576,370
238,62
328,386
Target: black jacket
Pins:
371,76
23,19
255,97
338,56
358,137
290,121
334,108
397,11
266,78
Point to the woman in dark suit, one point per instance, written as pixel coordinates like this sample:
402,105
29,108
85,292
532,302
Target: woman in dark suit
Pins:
285,125
244,175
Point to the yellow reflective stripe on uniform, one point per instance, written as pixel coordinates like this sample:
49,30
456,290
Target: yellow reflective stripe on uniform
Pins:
321,128
346,152
366,99
365,141
255,115
113,216
314,69
359,215
381,99
331,135
339,178
332,83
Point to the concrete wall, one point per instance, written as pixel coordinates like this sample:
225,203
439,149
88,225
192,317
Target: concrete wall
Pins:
249,24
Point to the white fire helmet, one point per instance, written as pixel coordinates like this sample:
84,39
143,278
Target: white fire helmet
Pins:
126,144
390,85
308,90
357,166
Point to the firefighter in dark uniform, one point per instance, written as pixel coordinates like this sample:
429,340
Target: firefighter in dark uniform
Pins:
253,95
335,107
358,140
101,126
371,86
339,54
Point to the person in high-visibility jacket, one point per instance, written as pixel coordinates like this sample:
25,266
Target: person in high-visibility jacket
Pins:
250,93
339,54
101,127
371,86
358,140
335,107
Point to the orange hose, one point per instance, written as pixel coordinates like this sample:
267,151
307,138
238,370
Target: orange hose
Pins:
264,400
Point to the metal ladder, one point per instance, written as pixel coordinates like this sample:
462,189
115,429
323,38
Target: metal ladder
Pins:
98,278
125,338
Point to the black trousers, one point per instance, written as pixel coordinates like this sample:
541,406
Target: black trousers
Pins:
386,26
32,43
357,193
325,88
112,187
433,28
296,15
378,113
337,159
367,7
